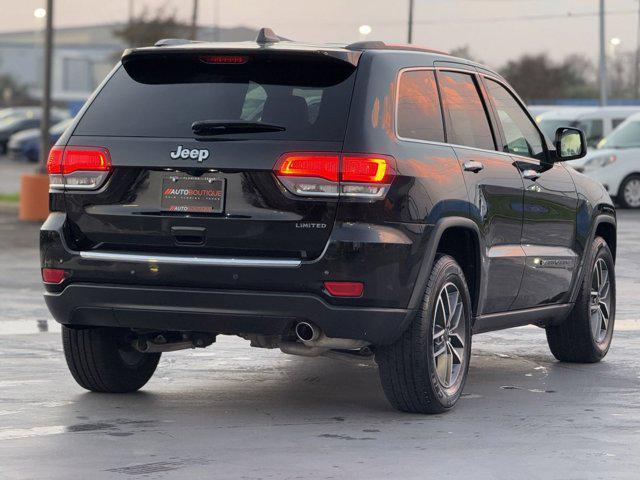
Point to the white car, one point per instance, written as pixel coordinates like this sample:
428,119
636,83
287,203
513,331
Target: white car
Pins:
595,122
616,163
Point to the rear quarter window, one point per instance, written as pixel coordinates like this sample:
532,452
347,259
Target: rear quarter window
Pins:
163,97
419,113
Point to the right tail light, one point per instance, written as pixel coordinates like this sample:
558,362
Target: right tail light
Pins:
323,174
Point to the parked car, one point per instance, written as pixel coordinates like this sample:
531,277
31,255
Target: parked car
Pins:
371,228
25,145
536,110
616,163
596,123
22,120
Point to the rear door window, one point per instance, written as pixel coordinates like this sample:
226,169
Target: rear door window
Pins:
468,123
164,96
419,113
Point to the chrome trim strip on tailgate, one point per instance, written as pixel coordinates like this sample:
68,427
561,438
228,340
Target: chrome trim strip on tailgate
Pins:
181,260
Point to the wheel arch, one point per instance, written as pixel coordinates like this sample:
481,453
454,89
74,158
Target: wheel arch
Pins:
603,225
460,238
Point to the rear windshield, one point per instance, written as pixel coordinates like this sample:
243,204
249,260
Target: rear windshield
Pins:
162,97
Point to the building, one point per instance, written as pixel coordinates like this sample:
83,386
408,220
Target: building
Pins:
82,57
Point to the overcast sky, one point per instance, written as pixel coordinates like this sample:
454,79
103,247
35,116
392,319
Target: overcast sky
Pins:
495,30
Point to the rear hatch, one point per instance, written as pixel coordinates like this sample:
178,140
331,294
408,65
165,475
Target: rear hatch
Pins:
193,137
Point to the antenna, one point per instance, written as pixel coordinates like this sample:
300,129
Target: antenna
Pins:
267,35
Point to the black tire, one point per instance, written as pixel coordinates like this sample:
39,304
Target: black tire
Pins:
407,367
574,340
620,198
102,360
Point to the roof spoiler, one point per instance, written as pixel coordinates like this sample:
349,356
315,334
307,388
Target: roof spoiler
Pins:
171,42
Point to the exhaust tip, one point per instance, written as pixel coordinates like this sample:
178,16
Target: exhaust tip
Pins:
307,332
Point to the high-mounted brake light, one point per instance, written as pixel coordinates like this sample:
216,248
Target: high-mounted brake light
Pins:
333,174
224,59
78,167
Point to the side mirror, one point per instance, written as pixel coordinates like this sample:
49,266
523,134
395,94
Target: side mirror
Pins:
570,144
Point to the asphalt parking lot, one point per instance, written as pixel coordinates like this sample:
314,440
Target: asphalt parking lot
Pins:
231,411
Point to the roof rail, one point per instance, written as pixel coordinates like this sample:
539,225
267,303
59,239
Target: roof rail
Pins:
366,45
378,45
267,35
170,42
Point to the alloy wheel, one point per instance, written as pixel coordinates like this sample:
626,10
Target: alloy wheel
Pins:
631,193
449,335
600,301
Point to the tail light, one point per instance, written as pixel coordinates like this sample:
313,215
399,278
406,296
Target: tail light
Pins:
81,168
333,174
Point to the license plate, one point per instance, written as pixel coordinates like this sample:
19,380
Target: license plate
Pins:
192,195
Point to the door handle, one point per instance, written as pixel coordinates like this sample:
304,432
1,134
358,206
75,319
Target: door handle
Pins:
530,174
473,166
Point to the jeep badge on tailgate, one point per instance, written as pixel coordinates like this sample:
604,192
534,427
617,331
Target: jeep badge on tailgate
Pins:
195,153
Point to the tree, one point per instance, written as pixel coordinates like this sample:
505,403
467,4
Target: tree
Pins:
537,77
621,75
464,52
147,28
12,94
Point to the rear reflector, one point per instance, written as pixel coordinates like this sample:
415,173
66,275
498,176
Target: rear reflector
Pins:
344,289
78,167
54,276
333,174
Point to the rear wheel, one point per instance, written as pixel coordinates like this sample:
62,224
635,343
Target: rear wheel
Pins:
426,369
103,360
585,336
629,193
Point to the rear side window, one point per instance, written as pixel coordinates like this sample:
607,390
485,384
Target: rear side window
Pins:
419,113
616,121
164,96
593,130
467,116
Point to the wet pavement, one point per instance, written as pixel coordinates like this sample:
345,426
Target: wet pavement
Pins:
232,411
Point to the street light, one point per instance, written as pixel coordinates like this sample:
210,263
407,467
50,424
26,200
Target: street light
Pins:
615,41
364,30
40,12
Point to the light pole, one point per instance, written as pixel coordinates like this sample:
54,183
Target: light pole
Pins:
45,139
410,26
603,58
194,21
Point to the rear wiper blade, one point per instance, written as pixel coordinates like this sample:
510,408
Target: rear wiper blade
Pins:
221,127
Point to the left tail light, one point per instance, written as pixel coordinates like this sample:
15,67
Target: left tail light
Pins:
78,168
315,174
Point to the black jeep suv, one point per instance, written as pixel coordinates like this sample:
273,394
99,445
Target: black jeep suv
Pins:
366,199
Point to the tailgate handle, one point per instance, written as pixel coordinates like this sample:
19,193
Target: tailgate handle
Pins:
189,235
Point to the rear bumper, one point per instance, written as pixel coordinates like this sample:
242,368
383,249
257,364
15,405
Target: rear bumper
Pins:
219,311
187,292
